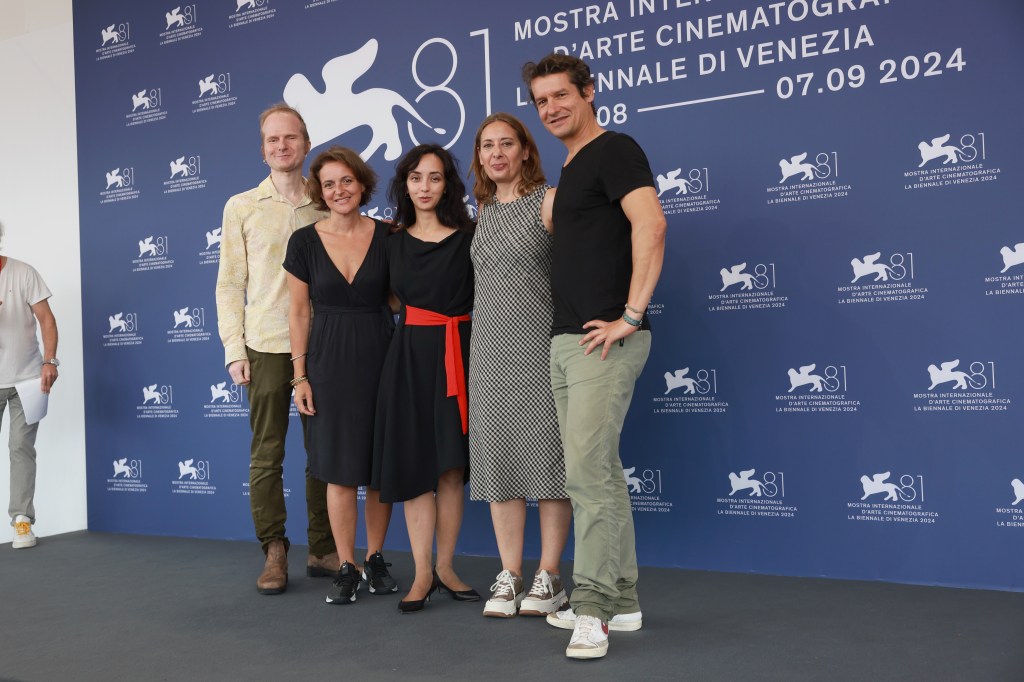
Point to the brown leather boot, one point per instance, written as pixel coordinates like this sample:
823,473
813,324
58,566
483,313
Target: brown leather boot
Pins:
326,566
274,578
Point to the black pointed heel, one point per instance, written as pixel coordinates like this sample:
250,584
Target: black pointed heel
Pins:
414,605
457,595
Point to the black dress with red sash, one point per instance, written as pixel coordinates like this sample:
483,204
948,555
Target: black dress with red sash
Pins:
420,426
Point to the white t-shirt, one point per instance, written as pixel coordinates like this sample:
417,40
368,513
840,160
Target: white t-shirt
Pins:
21,287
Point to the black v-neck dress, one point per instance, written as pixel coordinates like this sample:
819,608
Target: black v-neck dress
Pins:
349,338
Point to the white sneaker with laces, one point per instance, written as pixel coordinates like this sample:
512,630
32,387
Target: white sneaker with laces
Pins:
589,638
544,596
506,596
23,537
565,619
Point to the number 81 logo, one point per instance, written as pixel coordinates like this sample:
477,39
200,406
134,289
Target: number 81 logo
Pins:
647,481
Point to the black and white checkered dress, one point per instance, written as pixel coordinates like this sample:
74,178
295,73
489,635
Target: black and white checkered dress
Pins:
514,445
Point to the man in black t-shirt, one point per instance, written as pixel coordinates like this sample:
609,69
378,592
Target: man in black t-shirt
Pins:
609,242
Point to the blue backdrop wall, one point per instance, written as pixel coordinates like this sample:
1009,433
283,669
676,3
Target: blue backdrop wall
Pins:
836,381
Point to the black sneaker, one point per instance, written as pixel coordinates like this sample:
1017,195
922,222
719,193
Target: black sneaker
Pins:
375,573
343,591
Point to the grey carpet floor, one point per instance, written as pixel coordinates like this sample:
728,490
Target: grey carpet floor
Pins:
94,606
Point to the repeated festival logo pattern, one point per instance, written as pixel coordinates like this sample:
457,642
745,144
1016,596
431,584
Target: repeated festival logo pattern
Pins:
744,266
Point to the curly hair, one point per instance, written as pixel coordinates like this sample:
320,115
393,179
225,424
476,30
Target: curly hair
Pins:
531,176
362,172
573,67
451,211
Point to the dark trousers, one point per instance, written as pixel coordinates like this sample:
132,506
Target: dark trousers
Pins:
269,405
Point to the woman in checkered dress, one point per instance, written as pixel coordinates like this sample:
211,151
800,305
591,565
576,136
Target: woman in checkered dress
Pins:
514,444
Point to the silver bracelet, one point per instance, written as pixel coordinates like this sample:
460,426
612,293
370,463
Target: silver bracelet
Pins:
297,357
634,310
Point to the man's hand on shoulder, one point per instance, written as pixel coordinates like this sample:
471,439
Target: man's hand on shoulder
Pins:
239,371
605,333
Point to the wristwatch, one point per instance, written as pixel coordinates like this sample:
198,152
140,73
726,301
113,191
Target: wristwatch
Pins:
52,361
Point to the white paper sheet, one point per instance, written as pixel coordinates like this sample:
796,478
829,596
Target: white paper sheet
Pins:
33,400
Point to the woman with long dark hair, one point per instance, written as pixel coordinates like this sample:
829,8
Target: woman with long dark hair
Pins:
420,445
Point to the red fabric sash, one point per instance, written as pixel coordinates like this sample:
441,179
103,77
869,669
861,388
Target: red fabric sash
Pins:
454,371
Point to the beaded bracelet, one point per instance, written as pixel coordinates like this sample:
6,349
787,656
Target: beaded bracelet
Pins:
633,322
298,380
634,310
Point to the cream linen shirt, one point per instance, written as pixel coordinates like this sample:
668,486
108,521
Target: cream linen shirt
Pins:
252,290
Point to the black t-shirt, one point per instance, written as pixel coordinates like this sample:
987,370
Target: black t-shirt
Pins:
593,252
